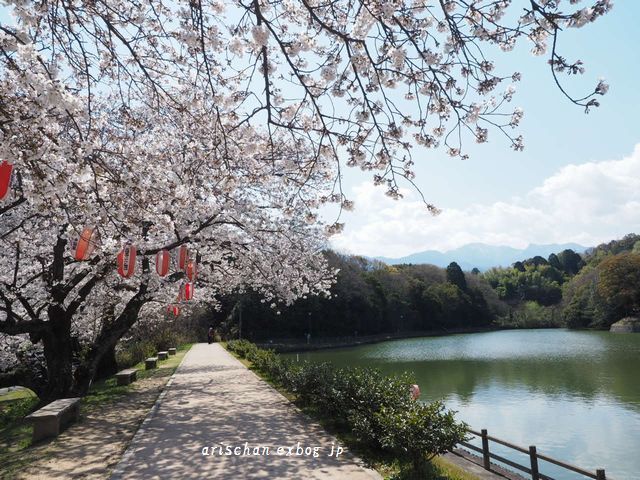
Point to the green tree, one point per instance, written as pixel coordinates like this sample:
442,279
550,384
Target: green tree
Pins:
536,261
619,283
554,261
570,261
579,312
533,315
455,275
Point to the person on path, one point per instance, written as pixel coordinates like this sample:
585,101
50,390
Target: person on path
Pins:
210,334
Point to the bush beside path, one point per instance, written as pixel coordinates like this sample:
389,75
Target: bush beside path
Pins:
213,403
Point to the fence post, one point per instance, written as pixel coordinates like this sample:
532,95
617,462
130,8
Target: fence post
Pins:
535,475
600,474
485,450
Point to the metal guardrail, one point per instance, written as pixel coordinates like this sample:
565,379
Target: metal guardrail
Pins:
534,456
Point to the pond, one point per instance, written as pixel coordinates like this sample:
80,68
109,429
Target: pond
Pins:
573,394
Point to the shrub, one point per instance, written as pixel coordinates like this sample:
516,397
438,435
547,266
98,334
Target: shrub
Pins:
362,392
133,353
420,432
242,347
377,408
15,410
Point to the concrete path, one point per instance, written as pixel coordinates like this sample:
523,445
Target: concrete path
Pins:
215,403
473,464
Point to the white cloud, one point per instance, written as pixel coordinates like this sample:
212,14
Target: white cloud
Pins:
588,204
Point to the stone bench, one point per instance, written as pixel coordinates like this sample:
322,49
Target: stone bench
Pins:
125,377
51,419
172,351
163,355
151,363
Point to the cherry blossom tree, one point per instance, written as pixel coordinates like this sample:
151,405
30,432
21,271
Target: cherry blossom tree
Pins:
361,80
157,180
224,126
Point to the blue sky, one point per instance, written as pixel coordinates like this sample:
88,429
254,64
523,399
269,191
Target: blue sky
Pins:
557,134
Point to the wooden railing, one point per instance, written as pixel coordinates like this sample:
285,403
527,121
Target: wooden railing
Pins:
534,456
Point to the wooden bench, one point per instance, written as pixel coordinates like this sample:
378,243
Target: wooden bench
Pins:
151,363
163,355
125,377
51,419
172,351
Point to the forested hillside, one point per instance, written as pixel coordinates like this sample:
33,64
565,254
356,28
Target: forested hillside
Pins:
592,290
370,297
607,289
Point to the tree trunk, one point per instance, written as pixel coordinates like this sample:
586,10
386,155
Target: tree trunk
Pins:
58,352
106,342
107,365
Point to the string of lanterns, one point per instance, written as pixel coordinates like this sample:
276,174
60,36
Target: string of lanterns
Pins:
126,259
126,263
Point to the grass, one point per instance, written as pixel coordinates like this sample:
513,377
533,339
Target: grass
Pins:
437,469
387,466
16,395
107,390
15,431
450,471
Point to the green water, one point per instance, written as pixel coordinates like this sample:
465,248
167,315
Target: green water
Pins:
575,395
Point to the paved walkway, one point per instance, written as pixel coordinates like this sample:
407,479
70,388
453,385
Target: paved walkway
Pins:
214,401
473,464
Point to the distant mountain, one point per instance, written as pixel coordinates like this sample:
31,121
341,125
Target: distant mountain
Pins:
482,256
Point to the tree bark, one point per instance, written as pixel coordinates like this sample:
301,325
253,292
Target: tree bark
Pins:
109,336
105,343
107,365
58,353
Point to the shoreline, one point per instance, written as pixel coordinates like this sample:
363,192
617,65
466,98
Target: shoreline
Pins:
327,343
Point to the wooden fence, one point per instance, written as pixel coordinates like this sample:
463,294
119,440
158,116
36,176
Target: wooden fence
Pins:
534,456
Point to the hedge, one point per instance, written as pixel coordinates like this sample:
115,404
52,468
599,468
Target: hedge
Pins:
378,409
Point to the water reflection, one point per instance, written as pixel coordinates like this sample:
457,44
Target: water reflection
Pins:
576,395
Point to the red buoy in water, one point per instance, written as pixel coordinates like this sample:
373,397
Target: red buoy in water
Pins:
415,391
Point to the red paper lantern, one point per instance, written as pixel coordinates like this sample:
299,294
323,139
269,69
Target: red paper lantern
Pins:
127,261
174,309
188,291
183,257
87,244
162,262
191,271
5,178
415,392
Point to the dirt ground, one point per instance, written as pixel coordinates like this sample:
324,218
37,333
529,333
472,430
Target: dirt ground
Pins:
91,448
